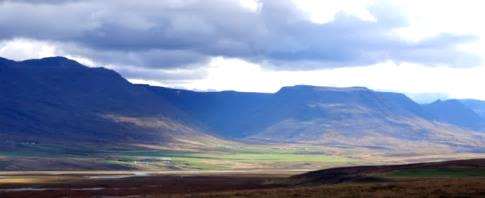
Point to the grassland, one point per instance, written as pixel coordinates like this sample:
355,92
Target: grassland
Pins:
228,159
442,179
405,189
224,157
438,172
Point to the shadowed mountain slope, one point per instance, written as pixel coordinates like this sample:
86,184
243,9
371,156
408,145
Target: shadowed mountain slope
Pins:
463,168
240,114
322,115
59,100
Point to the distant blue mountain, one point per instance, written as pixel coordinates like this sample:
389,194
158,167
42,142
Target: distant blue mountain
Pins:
478,106
455,112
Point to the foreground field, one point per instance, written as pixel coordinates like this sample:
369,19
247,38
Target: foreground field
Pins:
464,178
443,187
223,156
54,184
231,186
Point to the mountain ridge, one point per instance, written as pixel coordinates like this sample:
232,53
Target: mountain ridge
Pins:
56,98
60,98
295,114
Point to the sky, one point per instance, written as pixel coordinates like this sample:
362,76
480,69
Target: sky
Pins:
425,49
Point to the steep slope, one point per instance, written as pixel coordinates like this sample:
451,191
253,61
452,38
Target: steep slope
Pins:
236,114
357,117
61,101
307,107
348,117
455,112
228,114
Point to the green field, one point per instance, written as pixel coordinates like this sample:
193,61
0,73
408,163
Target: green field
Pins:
225,157
229,159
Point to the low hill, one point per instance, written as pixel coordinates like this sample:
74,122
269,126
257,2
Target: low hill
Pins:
459,168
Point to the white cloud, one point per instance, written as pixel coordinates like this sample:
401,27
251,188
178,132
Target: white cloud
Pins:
324,11
431,17
21,49
252,5
147,82
414,79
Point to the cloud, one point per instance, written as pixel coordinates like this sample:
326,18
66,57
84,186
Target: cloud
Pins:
21,49
150,74
185,33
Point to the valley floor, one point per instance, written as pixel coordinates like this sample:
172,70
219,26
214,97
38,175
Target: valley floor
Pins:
449,179
223,157
225,170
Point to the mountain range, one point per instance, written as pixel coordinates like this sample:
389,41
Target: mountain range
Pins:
58,100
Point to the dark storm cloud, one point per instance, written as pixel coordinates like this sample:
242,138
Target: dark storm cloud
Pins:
175,33
150,58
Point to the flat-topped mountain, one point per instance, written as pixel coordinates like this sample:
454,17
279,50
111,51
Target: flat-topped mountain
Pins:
60,100
322,115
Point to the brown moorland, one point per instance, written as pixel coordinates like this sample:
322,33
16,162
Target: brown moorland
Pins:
463,178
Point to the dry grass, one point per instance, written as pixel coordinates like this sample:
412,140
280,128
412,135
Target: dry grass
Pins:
422,188
463,178
247,186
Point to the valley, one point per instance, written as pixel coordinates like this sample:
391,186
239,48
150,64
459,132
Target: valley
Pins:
230,157
242,98
57,114
137,158
67,130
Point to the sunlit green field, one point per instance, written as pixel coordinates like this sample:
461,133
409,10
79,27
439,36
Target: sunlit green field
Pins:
226,157
229,159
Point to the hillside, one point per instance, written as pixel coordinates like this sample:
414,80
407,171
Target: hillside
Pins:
57,100
228,114
340,117
458,168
